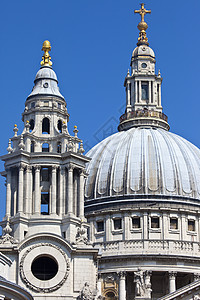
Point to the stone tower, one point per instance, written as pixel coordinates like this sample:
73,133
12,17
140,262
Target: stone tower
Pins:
44,227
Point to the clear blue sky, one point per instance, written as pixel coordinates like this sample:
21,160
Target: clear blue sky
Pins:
92,42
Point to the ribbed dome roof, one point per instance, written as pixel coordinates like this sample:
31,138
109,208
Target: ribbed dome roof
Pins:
46,83
143,161
143,50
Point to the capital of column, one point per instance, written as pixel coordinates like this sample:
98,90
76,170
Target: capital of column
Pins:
22,166
37,168
28,168
122,274
196,276
172,275
70,167
54,168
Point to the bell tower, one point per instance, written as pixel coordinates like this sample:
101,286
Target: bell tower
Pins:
45,165
143,85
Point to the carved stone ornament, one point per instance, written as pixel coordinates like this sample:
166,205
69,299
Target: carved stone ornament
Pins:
81,236
7,238
86,293
31,281
196,297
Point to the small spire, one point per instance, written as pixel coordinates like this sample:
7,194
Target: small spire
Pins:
46,58
15,129
142,26
75,131
128,73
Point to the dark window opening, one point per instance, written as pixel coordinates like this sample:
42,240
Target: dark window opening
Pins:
32,124
60,126
45,147
110,296
45,174
64,234
32,104
45,203
191,225
155,222
44,268
100,226
117,224
173,223
45,126
59,105
145,90
32,147
59,148
25,233
136,222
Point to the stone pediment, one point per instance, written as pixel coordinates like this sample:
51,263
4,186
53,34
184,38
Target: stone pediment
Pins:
188,292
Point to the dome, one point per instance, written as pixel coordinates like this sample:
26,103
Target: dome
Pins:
143,161
143,50
46,83
46,73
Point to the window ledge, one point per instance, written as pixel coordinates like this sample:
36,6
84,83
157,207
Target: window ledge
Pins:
176,231
117,231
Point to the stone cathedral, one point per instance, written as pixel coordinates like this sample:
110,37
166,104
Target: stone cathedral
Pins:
120,222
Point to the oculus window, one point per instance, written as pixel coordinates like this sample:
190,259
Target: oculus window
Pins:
44,268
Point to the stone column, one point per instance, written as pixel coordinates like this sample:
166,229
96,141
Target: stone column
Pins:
99,285
70,190
172,282
136,92
122,285
128,105
28,189
81,194
20,188
61,186
159,95
8,192
37,202
140,92
149,91
53,190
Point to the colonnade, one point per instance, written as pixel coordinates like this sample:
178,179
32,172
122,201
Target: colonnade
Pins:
23,194
142,280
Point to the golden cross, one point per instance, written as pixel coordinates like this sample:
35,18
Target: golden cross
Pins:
142,11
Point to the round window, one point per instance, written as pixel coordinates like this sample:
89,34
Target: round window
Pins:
44,268
144,65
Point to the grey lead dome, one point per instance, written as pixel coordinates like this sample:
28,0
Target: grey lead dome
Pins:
143,161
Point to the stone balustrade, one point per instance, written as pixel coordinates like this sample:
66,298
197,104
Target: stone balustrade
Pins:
151,247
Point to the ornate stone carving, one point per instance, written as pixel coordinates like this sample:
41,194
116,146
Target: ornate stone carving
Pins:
31,285
81,236
143,284
196,297
7,238
86,293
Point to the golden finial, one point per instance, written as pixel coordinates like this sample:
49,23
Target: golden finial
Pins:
142,26
75,127
46,58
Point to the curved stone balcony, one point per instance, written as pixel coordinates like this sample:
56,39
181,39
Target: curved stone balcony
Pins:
143,117
150,247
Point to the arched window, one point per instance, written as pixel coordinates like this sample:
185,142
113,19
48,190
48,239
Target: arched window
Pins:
45,147
59,147
32,147
60,126
32,124
45,126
